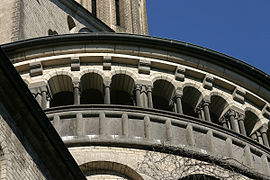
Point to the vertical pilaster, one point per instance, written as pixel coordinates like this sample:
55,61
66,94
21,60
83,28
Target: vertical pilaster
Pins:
125,125
147,127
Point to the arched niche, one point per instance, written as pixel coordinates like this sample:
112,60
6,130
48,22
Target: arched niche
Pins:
122,87
71,23
62,90
99,169
91,89
190,99
199,177
162,94
250,120
216,107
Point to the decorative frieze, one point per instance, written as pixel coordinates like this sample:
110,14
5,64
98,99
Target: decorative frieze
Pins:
180,73
144,66
107,62
75,64
36,69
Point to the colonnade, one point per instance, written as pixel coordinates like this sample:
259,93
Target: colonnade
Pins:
148,96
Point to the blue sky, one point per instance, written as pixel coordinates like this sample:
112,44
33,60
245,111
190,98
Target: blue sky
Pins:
238,28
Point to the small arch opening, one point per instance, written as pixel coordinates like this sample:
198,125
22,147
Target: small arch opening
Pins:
71,23
122,87
190,99
216,107
162,95
62,90
92,89
250,120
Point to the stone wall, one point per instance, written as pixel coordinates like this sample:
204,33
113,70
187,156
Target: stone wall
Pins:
133,15
7,17
148,164
18,161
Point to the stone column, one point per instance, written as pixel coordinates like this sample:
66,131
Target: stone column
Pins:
107,92
138,95
232,115
223,121
242,124
144,98
38,98
206,110
254,137
263,131
178,98
149,96
76,91
44,92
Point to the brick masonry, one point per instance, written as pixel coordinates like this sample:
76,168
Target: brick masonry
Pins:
16,162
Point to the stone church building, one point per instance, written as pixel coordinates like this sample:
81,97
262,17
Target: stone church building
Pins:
85,93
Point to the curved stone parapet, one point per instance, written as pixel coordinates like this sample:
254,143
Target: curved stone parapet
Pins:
147,128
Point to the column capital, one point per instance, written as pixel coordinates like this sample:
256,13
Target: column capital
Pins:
263,128
138,87
143,89
107,83
149,88
76,84
230,113
178,94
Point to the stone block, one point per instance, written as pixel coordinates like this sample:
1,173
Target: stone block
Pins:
239,95
144,66
36,69
75,64
180,74
107,62
208,82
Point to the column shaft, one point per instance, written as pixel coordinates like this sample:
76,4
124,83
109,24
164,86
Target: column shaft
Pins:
179,105
107,96
44,99
150,99
206,111
76,95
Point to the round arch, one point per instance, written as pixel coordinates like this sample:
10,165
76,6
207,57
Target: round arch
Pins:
122,87
163,92
62,90
216,107
191,96
91,89
250,120
109,168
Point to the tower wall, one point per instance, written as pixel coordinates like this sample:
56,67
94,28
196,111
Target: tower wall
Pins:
133,15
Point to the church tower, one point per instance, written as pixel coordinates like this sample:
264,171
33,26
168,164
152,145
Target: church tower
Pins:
128,16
